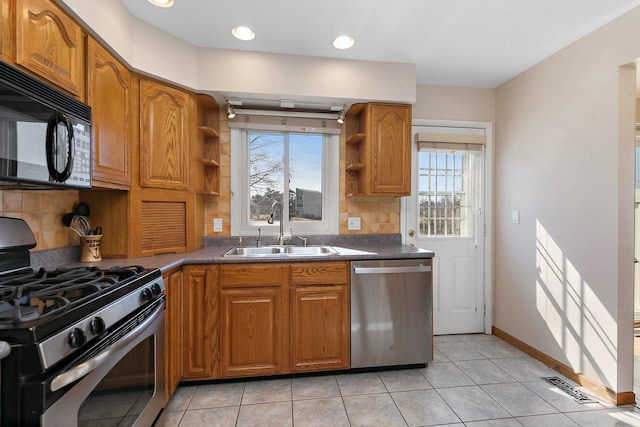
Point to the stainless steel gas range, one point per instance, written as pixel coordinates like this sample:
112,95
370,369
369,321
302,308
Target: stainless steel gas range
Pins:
85,345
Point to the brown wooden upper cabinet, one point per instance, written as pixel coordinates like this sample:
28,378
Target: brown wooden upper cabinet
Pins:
378,150
50,44
109,95
165,129
7,31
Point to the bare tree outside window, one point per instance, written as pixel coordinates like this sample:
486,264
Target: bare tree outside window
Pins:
265,173
272,156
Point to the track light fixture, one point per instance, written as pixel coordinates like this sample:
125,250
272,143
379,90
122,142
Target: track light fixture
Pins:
340,118
230,112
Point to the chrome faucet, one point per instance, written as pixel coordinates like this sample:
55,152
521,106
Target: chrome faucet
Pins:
281,238
304,239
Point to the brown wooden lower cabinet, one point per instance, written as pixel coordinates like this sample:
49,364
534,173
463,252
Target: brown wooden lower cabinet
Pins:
252,331
253,322
199,322
254,319
282,318
319,328
173,331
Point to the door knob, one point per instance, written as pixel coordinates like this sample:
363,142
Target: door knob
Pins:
412,233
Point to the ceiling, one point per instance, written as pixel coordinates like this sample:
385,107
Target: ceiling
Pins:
471,43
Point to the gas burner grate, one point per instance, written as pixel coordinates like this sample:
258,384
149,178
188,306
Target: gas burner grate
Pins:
579,396
28,295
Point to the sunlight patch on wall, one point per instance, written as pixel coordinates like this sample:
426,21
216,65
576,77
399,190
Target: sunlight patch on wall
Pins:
575,316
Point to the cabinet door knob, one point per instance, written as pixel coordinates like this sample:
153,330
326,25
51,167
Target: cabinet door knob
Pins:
412,233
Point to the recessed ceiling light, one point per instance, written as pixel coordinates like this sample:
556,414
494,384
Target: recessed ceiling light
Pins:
161,3
343,42
243,33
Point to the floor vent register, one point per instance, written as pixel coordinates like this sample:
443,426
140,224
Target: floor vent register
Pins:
579,396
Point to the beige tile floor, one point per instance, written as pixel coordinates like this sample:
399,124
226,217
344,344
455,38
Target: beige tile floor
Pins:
476,380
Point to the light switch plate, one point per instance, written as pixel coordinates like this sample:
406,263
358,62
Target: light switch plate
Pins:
515,217
353,223
217,225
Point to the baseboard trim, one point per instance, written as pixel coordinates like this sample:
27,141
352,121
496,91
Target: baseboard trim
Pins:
623,398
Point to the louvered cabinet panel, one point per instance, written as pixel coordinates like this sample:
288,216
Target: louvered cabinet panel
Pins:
163,227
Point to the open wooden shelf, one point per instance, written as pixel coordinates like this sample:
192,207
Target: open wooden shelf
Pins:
208,131
208,125
210,162
355,167
356,138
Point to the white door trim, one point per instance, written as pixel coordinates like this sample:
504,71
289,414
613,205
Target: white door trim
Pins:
488,206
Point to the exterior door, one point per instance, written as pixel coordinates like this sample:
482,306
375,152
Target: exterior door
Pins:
445,214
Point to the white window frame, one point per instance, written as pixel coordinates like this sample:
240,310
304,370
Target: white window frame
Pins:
240,223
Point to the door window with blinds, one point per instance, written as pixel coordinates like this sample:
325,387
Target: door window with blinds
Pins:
449,173
288,162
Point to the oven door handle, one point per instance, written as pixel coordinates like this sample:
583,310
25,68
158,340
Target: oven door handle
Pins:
85,368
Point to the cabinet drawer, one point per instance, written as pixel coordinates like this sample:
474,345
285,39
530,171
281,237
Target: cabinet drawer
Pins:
312,273
252,275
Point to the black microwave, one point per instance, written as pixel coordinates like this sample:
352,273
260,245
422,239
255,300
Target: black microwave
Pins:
45,135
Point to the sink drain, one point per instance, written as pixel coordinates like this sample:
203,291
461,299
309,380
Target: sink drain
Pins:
579,396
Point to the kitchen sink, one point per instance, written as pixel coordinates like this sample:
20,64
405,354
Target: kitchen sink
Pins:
310,250
286,251
261,251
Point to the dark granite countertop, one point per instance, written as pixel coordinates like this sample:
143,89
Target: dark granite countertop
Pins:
363,249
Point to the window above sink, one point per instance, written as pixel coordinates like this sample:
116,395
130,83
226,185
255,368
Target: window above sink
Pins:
308,157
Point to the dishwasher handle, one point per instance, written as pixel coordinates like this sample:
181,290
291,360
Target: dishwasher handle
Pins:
392,270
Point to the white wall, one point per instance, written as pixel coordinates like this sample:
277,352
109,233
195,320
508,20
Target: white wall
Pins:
454,103
228,72
564,159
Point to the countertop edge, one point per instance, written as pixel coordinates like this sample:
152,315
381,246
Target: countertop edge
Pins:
214,255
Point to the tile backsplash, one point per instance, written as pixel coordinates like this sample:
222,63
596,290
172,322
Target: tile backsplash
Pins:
43,211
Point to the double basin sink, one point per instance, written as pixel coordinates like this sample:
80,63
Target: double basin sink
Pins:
286,250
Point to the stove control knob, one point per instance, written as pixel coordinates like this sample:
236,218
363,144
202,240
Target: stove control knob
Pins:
156,289
76,338
97,326
146,294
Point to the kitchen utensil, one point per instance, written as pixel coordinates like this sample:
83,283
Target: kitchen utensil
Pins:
82,209
66,218
97,231
80,224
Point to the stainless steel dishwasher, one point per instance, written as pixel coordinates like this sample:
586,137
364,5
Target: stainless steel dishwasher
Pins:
391,313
